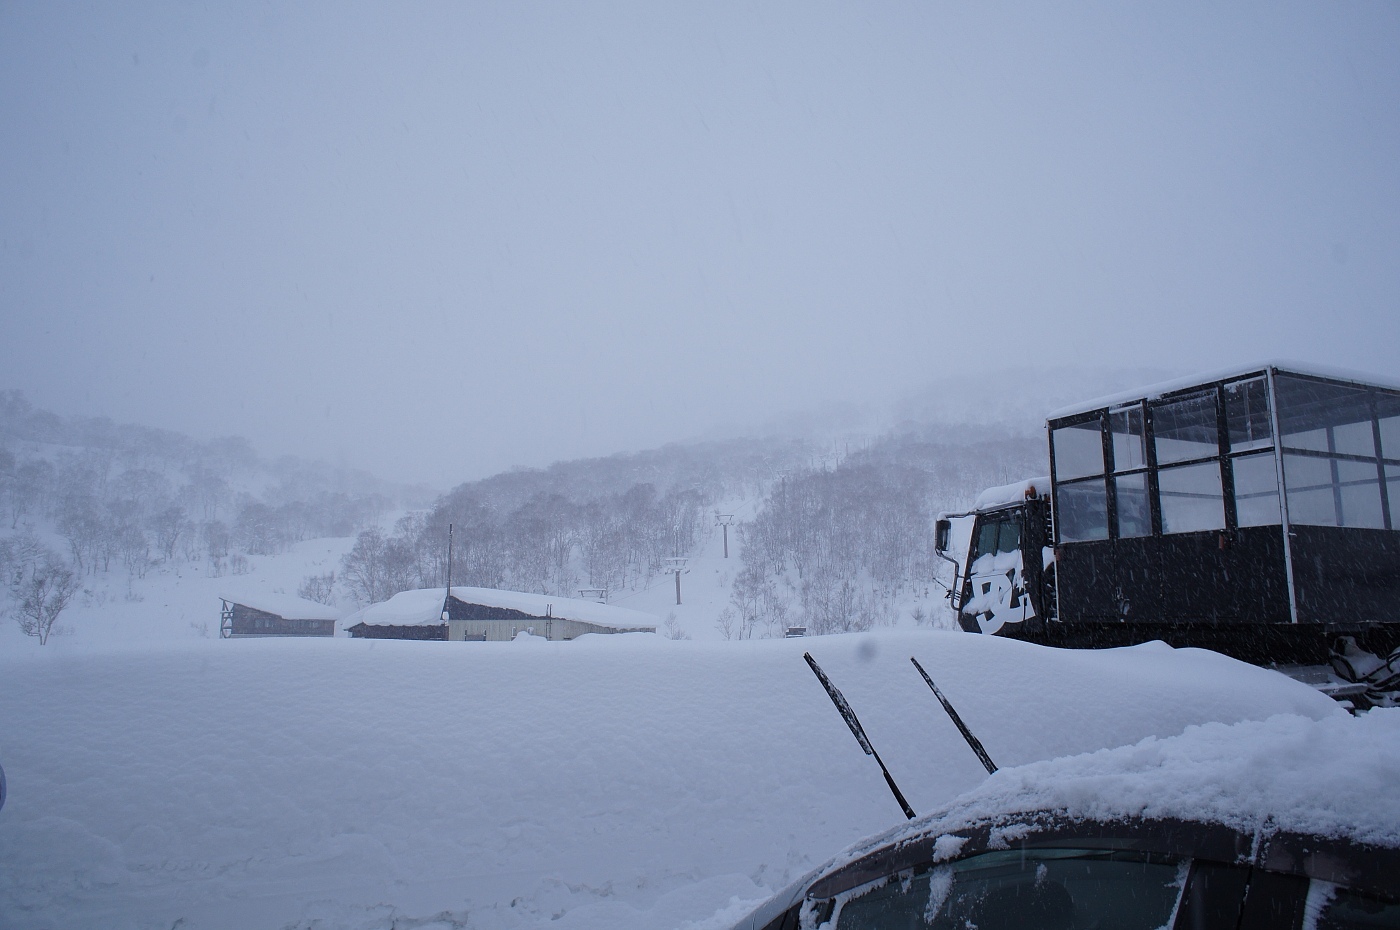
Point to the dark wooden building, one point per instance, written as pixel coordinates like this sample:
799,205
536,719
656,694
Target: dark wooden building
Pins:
486,614
275,615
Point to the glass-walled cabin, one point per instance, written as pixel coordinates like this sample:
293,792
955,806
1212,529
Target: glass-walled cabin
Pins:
1266,496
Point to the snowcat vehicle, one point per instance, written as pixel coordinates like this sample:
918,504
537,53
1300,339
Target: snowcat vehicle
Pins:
1254,512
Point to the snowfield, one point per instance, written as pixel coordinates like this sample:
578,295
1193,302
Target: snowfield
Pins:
623,781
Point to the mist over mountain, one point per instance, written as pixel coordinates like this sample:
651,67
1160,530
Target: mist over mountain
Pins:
835,505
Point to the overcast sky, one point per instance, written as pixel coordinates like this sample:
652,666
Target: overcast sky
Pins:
436,240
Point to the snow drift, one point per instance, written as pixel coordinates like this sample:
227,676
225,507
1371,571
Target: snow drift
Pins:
614,781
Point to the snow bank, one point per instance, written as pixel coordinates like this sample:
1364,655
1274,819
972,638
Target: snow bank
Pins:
624,781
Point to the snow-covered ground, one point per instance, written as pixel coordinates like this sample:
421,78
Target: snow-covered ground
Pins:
175,602
623,781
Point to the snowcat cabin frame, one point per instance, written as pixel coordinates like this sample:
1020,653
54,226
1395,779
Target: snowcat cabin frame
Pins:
1256,513
1008,584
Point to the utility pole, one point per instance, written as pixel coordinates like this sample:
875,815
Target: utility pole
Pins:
447,598
676,566
725,520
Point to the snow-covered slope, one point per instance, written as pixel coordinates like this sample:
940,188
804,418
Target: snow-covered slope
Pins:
611,782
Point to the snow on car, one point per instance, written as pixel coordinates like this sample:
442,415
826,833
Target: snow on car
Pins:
620,781
1287,822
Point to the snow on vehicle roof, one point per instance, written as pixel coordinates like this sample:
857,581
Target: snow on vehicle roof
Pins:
285,606
1012,493
630,784
1154,391
424,606
1330,777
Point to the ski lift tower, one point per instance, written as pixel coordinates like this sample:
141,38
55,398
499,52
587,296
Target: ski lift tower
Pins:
676,566
725,520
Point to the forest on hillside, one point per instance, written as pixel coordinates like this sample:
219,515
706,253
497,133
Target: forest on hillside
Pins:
834,539
830,536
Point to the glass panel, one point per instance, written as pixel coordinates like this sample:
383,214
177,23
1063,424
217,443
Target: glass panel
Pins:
1312,498
1334,908
1192,499
986,539
1009,537
1355,439
1015,890
1388,411
1247,415
1078,450
1361,494
1332,492
1081,511
1256,490
1392,491
1134,516
1312,439
1129,451
1307,408
1185,429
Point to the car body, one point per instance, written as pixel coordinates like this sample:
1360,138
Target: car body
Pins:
1137,838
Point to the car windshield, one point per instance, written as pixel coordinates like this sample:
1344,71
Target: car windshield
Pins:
1045,889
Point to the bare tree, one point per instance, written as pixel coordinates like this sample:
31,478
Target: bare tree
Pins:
41,584
318,588
378,567
168,525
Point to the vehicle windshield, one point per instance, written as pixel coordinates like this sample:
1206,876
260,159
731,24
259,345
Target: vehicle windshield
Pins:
1044,889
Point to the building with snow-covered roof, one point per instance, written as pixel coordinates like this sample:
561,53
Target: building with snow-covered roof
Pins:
275,615
487,614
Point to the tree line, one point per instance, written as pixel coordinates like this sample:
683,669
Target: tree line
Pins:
548,543
132,498
832,548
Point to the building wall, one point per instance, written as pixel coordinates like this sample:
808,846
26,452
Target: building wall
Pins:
248,621
555,628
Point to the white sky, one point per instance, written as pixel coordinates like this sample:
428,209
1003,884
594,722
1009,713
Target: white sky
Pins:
438,239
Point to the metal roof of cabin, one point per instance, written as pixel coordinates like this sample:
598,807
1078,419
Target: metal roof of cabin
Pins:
1177,385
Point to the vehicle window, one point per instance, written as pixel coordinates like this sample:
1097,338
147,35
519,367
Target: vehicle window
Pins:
1126,427
1333,908
1191,498
1392,490
1256,490
1247,415
1333,492
997,536
1009,537
1134,516
1355,439
1185,429
1078,450
1081,511
986,539
1390,428
1045,889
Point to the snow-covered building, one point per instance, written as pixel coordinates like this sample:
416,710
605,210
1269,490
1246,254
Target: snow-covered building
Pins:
275,615
486,614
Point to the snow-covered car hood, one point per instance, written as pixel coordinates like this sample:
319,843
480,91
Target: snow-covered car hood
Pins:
1313,797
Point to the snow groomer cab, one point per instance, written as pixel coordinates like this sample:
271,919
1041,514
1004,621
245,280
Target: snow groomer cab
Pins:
1255,512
